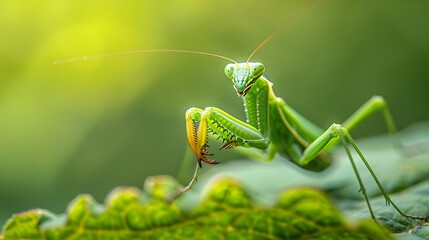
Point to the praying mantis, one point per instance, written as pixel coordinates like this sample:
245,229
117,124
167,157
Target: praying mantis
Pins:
274,126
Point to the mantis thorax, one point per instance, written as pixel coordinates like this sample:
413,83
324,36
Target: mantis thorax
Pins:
244,75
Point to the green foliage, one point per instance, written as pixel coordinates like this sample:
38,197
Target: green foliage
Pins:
226,212
239,208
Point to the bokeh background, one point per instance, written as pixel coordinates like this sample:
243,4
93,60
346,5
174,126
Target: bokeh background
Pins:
89,126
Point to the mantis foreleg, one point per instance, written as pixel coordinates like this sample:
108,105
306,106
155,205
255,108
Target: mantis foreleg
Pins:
234,132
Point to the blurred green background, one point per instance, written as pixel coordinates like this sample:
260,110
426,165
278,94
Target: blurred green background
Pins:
86,127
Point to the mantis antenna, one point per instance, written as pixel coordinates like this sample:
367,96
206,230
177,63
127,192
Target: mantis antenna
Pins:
103,55
279,29
286,23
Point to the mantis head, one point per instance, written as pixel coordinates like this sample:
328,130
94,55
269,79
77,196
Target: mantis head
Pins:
244,75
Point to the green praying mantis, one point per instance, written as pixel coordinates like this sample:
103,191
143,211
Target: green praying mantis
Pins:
274,126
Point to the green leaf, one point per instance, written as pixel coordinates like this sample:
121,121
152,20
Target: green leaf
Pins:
418,233
404,177
250,206
226,212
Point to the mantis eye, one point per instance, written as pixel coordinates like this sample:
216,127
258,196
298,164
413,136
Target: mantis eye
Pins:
257,69
229,69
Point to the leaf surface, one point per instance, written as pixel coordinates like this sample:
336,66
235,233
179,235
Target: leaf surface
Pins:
227,212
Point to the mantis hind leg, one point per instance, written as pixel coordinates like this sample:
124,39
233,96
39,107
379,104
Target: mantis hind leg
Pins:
346,138
337,131
373,105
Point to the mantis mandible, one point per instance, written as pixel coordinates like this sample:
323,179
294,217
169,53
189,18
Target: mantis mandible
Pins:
272,125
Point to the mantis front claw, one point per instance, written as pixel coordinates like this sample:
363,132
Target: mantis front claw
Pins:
204,153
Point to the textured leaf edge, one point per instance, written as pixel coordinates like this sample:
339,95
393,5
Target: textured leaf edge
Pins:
226,212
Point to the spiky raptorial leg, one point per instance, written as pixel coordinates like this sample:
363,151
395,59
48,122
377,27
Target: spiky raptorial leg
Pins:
199,123
196,131
233,132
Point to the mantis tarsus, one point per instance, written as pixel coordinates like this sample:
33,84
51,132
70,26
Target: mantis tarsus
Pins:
273,125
